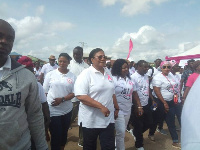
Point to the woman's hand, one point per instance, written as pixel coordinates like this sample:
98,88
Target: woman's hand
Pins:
166,107
116,113
57,101
140,111
105,111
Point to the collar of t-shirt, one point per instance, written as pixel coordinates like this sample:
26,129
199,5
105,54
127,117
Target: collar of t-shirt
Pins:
95,70
62,74
7,65
77,62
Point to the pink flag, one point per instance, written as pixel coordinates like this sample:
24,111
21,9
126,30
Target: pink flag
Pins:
130,48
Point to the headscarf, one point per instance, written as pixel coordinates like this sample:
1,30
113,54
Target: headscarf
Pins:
24,60
165,63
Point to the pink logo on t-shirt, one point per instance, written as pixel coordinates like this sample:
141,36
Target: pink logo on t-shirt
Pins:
131,83
69,80
109,78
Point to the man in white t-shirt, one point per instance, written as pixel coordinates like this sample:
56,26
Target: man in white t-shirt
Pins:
48,67
37,70
76,66
155,70
143,122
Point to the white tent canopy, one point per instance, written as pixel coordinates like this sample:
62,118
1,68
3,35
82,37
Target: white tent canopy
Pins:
193,51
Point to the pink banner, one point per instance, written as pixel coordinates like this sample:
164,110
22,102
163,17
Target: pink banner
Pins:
178,58
130,48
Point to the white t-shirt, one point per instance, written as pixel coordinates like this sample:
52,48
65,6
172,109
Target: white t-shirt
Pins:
37,73
131,70
166,87
190,137
58,85
5,69
76,69
42,95
99,87
142,86
123,92
177,78
156,71
47,68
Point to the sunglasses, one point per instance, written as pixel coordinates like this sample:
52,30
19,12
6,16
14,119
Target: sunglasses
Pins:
168,67
101,56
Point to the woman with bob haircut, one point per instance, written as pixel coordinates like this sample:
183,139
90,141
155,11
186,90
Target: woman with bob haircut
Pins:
59,87
94,88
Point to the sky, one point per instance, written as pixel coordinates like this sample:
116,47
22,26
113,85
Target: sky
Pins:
158,28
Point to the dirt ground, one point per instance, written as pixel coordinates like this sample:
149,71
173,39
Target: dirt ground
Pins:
163,142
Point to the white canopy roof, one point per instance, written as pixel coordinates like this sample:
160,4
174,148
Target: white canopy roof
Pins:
193,51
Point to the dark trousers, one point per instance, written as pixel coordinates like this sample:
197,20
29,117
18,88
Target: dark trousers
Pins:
170,118
58,128
158,116
141,124
106,137
178,110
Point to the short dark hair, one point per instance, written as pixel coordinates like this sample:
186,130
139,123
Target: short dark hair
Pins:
117,67
8,24
157,59
78,48
66,56
196,64
191,60
93,52
140,62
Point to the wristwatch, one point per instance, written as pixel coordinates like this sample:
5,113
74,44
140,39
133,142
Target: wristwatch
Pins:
63,99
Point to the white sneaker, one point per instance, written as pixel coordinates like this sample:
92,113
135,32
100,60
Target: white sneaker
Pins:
141,148
80,145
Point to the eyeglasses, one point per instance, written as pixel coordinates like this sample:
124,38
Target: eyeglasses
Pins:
101,56
168,67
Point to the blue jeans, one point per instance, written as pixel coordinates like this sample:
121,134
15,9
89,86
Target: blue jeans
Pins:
106,137
178,110
170,120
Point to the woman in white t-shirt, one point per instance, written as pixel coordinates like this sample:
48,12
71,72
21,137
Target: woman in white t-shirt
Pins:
94,87
59,86
124,88
164,86
177,78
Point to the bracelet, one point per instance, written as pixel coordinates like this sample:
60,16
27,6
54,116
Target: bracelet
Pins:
63,99
116,109
140,107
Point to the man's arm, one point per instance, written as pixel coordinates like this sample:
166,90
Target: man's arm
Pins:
137,103
42,78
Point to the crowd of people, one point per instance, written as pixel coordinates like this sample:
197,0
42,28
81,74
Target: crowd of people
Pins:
106,97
